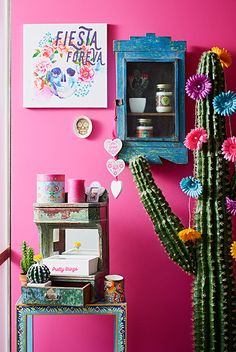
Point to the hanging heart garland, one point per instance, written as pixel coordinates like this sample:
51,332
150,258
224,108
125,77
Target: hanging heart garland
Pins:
115,167
113,146
116,188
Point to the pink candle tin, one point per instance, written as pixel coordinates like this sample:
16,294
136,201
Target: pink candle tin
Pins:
50,188
76,191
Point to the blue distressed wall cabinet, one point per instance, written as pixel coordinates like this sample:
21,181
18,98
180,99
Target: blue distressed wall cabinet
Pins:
151,68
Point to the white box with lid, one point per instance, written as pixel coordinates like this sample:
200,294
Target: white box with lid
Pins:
72,265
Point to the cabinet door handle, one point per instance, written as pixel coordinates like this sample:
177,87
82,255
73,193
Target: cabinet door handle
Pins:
119,102
51,295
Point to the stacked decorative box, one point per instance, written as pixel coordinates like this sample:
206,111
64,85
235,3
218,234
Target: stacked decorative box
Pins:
77,278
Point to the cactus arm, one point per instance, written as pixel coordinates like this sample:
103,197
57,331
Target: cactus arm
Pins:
166,224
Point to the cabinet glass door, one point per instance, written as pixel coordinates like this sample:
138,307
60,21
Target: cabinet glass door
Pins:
150,100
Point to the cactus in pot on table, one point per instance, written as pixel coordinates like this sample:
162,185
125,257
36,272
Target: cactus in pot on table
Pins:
38,273
204,252
26,261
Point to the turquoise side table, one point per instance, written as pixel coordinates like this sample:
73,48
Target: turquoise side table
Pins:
25,314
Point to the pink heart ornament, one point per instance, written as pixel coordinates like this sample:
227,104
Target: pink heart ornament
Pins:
113,146
115,167
116,188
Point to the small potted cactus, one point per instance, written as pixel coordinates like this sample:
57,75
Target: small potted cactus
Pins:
38,273
26,261
137,84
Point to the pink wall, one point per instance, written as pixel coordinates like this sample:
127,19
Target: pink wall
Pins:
157,291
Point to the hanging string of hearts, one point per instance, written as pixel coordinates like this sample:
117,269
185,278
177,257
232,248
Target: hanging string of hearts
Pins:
115,166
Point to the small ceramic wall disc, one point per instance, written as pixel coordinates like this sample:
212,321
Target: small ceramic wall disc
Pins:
83,126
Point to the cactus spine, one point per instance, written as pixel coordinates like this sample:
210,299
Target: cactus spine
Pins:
209,260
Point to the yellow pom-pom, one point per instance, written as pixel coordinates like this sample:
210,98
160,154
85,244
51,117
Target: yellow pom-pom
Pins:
77,244
38,258
189,235
224,56
233,250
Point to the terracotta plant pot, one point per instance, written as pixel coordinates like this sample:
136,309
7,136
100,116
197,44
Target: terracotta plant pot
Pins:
23,279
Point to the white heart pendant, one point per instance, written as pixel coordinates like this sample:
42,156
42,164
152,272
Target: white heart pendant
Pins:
115,167
113,146
116,188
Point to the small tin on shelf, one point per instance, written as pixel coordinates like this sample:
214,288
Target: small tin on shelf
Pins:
50,188
144,128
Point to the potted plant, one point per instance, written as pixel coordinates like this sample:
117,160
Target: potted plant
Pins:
26,261
38,273
137,84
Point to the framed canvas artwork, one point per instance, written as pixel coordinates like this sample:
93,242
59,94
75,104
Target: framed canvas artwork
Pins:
65,66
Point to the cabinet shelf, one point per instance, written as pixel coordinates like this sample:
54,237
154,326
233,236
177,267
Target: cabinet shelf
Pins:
162,114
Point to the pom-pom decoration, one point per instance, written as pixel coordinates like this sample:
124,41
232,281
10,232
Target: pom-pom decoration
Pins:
231,206
195,138
229,149
225,103
38,258
77,244
189,235
233,250
191,186
223,55
198,86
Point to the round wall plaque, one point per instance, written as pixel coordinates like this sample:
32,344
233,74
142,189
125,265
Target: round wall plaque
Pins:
83,126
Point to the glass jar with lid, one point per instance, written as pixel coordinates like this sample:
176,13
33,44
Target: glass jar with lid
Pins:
164,97
144,128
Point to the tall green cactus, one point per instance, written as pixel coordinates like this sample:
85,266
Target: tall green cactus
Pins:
209,260
27,257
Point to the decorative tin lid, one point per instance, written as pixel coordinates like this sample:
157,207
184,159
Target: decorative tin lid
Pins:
50,177
164,86
146,121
